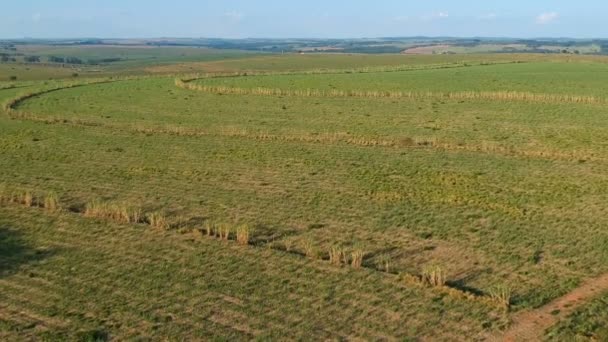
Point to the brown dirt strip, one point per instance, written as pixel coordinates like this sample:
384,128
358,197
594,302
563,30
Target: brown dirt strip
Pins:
531,325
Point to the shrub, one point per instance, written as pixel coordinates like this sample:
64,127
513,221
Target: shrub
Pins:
223,231
242,234
209,228
434,276
357,258
501,295
309,249
51,202
336,254
118,212
95,208
27,199
157,220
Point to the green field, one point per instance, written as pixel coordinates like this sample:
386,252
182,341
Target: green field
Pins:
107,60
499,193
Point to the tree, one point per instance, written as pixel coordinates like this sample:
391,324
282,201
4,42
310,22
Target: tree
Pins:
73,60
32,59
54,59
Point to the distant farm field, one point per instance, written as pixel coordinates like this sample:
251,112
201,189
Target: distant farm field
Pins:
438,203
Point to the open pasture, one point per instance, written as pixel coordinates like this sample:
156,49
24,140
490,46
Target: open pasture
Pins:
446,209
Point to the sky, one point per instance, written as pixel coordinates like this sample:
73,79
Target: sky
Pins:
302,19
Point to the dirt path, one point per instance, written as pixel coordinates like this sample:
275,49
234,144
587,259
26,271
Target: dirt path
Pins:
531,325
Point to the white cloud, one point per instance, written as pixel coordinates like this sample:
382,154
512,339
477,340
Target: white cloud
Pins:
546,18
436,15
234,16
401,18
488,16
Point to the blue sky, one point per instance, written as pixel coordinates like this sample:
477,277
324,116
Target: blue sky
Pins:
310,18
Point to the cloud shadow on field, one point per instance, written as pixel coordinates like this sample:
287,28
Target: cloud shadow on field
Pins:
15,252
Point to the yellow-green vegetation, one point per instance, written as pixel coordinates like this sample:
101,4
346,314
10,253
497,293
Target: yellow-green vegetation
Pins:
412,216
157,220
119,212
243,234
586,324
501,295
51,202
434,276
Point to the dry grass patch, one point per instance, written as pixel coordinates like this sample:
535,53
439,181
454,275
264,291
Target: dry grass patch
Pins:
310,250
383,263
223,231
243,233
357,258
434,276
118,212
27,199
157,220
501,295
336,255
51,202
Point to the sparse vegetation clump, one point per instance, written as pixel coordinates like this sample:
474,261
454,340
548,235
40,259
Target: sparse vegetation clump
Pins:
118,212
51,202
243,234
336,255
434,276
309,249
357,256
383,263
27,199
157,220
501,295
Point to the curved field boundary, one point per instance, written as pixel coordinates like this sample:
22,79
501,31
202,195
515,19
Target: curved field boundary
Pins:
326,138
464,95
187,82
361,70
11,105
9,86
532,325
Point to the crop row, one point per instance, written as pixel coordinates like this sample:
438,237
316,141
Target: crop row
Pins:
361,70
463,95
432,277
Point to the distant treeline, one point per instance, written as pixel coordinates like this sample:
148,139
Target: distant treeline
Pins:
76,60
5,57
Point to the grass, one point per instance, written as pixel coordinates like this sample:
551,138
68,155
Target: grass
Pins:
243,234
384,199
118,212
51,202
336,255
434,276
568,79
502,295
117,276
586,324
157,220
505,195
